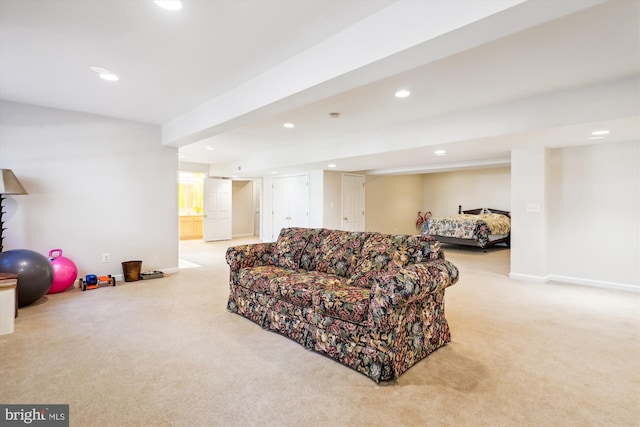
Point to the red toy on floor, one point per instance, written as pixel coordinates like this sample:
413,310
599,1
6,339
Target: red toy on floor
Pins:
92,281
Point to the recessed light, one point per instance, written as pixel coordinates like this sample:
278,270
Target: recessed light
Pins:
169,4
110,77
104,73
600,132
440,152
403,93
99,70
274,172
289,125
596,137
208,147
331,165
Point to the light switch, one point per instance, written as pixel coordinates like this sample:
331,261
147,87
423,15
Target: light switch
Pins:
533,207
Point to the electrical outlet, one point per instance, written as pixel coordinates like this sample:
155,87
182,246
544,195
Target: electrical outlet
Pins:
106,257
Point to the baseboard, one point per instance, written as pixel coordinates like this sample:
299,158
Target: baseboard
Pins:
120,277
529,277
575,281
595,283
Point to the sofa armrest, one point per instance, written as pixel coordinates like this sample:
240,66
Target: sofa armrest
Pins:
392,290
251,255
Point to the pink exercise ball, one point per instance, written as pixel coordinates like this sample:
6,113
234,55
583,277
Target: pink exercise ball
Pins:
65,271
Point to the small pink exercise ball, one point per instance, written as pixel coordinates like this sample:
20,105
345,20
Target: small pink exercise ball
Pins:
65,271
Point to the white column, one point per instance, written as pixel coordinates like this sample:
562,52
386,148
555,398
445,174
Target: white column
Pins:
529,214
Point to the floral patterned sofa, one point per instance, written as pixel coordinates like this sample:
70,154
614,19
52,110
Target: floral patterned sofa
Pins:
372,301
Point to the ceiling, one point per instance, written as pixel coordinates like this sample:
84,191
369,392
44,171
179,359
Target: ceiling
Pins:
221,77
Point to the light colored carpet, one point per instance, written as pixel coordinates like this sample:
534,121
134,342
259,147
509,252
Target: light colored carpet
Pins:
166,352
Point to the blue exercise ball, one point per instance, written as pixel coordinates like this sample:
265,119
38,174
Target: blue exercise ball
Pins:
34,270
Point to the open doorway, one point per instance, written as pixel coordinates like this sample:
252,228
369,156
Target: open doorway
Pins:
190,204
244,208
246,204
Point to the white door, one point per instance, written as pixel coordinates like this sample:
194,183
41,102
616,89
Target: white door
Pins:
352,202
290,202
217,209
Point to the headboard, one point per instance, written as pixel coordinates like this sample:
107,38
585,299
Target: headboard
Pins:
481,210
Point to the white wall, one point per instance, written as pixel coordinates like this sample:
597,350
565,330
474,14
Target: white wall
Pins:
266,228
96,185
316,198
594,204
332,208
529,213
480,188
257,206
193,167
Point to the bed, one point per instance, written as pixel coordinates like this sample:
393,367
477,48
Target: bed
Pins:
481,228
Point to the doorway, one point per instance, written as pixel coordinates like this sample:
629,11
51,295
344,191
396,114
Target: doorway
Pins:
242,210
245,205
190,204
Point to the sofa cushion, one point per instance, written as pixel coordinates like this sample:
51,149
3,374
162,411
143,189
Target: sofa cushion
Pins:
291,242
385,252
338,252
380,252
348,303
258,279
299,288
308,259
